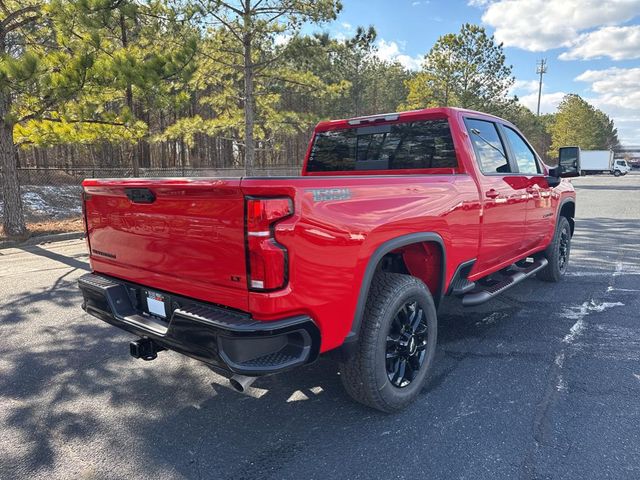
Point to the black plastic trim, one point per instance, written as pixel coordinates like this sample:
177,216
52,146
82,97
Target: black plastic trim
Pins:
205,331
483,295
372,265
561,206
462,272
140,195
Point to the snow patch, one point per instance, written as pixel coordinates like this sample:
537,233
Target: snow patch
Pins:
50,202
490,319
575,331
601,274
579,312
561,385
614,289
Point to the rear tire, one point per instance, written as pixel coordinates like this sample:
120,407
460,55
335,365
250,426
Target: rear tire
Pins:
557,253
396,345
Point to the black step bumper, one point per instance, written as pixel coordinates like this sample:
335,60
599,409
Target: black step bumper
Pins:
224,339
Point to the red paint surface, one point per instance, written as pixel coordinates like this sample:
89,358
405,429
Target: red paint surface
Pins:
191,240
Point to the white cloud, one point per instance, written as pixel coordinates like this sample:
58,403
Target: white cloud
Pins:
548,101
539,25
615,86
392,52
347,26
617,43
616,91
478,3
524,86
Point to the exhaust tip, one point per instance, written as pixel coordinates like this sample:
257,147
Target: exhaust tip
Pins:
241,383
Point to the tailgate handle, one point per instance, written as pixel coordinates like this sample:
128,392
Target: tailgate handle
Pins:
140,195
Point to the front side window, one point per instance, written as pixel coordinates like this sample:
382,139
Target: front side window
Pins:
490,151
409,145
524,156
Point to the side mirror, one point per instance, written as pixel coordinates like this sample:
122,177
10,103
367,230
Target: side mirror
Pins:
568,162
553,180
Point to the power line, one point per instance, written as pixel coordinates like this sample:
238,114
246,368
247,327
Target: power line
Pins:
541,69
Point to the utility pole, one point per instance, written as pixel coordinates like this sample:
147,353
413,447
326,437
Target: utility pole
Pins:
541,69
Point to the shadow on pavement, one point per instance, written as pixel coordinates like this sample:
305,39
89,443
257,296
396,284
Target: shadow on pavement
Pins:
74,382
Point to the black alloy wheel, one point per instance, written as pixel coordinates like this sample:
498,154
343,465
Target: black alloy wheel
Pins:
392,359
564,248
557,253
406,344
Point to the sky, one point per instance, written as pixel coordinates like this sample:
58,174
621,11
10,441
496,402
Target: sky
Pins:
592,47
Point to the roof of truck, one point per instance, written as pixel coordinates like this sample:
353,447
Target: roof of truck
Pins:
399,116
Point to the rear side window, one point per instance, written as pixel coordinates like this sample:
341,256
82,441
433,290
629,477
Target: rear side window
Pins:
489,149
525,158
411,145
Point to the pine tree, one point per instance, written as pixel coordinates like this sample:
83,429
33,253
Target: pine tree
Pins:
35,76
64,65
578,123
250,25
467,69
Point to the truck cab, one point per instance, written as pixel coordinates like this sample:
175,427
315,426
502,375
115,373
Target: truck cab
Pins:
620,167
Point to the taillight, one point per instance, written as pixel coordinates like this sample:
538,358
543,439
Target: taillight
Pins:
267,260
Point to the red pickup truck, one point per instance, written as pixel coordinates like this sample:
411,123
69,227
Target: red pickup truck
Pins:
392,212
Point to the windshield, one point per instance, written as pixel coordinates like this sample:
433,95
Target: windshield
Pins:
410,145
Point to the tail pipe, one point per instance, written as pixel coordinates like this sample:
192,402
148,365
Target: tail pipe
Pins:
241,383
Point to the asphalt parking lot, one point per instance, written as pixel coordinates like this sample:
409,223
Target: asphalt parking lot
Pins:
541,383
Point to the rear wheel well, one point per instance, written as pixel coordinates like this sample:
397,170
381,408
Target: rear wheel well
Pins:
422,260
403,247
568,210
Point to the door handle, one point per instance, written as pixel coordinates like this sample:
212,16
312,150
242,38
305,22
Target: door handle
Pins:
492,193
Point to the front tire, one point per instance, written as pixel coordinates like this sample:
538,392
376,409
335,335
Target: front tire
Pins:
396,345
616,173
557,253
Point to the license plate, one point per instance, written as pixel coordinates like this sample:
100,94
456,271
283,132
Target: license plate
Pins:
155,304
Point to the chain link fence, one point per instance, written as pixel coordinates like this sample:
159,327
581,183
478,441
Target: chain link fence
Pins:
53,194
54,176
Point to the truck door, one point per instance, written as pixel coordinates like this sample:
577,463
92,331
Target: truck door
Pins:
504,197
539,218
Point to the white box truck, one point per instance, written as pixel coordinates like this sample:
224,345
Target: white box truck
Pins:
602,161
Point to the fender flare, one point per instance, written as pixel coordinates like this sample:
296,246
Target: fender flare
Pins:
373,262
561,206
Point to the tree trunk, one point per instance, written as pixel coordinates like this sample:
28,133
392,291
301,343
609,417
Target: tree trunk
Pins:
13,220
249,113
133,150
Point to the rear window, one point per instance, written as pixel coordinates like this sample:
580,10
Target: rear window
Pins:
424,144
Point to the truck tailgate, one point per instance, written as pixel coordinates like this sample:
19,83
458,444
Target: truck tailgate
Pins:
184,236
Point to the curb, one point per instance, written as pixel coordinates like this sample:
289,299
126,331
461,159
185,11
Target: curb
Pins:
58,237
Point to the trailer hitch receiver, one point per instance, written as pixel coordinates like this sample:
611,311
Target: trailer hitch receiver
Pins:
145,349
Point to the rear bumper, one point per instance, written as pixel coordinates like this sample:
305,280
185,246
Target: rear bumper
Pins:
224,339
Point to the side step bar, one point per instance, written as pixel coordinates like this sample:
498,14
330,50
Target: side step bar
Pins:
478,296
